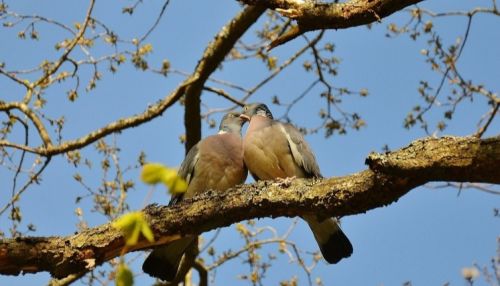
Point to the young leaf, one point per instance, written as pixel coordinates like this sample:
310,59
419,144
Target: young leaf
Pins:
124,276
174,183
154,173
132,225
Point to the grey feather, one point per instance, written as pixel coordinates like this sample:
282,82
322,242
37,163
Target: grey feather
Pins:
301,152
332,241
186,171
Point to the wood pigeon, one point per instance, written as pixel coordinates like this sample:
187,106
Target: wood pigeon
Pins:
271,150
215,163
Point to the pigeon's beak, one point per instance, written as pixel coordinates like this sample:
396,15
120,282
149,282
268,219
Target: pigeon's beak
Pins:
245,117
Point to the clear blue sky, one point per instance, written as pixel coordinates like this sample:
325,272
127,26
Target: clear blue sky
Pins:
426,237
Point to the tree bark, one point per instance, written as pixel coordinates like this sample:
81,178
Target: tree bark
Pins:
213,56
311,15
389,177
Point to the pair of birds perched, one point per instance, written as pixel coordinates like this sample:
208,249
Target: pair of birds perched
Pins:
270,150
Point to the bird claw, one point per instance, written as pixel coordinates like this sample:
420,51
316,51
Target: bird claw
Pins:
285,182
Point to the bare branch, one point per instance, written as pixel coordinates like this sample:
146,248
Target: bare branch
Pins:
317,16
283,66
13,77
275,72
492,115
33,178
121,124
224,94
68,50
157,21
47,142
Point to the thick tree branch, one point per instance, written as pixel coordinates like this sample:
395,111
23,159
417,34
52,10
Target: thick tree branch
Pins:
311,15
212,57
390,176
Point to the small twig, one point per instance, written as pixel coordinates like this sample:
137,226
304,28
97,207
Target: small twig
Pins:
224,94
67,280
70,47
121,124
42,131
282,67
157,21
460,186
38,18
32,179
15,78
211,241
483,129
215,80
21,160
299,98
6,143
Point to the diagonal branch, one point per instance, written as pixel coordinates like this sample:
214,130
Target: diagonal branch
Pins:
151,112
390,176
35,119
214,54
317,16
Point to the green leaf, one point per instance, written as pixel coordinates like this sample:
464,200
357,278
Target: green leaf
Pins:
124,277
147,232
174,183
154,173
132,225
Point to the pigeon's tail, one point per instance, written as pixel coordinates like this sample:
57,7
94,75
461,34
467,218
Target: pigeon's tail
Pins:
332,241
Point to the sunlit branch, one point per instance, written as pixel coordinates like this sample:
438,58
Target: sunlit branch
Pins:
53,69
42,131
13,77
311,15
390,176
39,19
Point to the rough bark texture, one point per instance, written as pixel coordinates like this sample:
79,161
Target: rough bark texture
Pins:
214,54
390,176
311,15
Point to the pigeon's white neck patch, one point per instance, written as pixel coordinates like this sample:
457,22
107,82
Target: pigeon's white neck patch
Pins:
264,113
261,112
222,131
